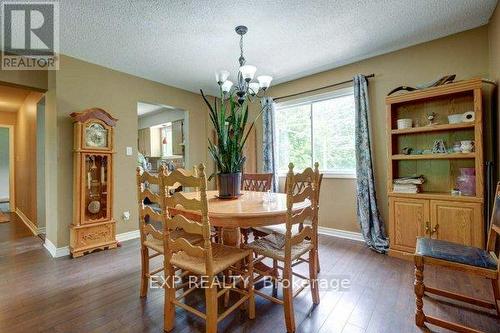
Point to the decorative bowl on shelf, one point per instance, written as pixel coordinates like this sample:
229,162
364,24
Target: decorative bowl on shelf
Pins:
455,118
404,123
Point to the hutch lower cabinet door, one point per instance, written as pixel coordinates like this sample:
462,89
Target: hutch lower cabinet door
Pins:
458,222
410,220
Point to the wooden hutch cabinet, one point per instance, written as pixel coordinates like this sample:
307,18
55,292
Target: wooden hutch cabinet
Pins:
93,225
435,212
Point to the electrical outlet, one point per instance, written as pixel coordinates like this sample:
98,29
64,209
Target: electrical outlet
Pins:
126,216
129,151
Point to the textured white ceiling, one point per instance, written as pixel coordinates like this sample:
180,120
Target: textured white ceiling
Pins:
182,43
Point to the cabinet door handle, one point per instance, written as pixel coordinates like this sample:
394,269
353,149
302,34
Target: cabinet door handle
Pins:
435,229
427,228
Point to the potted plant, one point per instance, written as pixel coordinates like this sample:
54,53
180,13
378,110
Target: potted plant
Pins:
229,119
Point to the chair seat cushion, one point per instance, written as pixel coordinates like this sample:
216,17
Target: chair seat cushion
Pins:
157,244
454,252
273,246
278,228
223,257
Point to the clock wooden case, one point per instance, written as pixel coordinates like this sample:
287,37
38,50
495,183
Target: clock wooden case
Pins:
93,225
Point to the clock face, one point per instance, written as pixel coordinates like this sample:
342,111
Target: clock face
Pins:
96,136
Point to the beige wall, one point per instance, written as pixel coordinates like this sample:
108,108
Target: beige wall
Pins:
464,54
494,38
25,156
81,85
27,79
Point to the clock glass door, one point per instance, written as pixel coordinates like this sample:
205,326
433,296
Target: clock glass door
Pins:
96,192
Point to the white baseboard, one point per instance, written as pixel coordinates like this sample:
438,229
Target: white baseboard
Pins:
58,252
128,235
54,251
33,228
356,236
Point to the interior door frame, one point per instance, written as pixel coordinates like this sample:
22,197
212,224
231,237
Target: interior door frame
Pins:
12,188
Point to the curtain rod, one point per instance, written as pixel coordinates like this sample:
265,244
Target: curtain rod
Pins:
321,88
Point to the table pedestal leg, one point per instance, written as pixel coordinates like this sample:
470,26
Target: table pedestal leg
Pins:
231,236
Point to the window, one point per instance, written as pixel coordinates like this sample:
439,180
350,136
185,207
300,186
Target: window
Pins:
317,129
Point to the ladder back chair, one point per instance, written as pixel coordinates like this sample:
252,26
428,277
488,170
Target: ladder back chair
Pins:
258,182
151,222
290,246
281,228
472,260
205,260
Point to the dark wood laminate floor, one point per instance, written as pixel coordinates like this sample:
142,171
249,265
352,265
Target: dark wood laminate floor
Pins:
99,293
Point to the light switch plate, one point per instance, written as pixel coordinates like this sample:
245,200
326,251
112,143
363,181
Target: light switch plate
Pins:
129,151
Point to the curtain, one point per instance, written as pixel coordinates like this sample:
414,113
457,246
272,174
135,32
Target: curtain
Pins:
268,156
372,226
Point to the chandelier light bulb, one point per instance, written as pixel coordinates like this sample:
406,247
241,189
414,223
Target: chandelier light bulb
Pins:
226,86
253,88
248,72
221,76
264,81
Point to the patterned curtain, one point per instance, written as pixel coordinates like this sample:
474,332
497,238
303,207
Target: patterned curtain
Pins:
372,226
268,156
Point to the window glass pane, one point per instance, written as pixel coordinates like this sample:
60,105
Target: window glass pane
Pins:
333,132
293,137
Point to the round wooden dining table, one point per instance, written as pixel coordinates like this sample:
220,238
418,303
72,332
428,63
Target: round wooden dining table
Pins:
251,209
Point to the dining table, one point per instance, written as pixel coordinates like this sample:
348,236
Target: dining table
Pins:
250,209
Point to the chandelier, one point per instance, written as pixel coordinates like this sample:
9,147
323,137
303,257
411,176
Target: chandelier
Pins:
244,87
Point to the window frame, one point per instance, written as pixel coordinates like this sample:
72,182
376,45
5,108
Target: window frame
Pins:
310,100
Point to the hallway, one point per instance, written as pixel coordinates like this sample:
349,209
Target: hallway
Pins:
16,238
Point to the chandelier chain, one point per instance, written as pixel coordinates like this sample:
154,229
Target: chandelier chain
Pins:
241,46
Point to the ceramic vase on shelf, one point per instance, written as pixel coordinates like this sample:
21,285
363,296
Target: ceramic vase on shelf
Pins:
466,182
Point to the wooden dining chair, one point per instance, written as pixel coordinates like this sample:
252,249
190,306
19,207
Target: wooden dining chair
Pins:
151,222
281,228
205,260
472,260
259,182
288,247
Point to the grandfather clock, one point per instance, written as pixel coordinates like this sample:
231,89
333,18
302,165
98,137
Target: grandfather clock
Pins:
93,225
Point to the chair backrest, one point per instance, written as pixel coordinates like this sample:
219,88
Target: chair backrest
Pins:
260,182
300,185
308,190
150,214
198,206
494,232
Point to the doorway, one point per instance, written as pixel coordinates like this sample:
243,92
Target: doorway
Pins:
21,155
162,137
6,171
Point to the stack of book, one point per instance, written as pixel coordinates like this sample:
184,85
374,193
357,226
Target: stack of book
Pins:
411,184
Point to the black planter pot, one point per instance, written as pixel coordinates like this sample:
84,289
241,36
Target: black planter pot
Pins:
229,185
